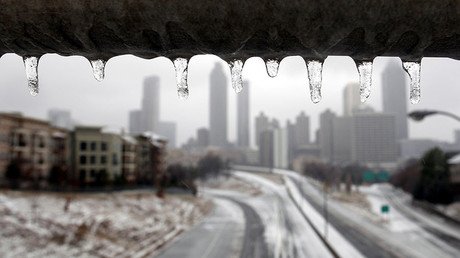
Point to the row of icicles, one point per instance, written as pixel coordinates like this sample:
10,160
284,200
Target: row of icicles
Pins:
314,69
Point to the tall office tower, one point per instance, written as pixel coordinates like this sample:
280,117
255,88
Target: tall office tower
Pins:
261,124
151,104
374,138
280,148
302,129
266,148
351,99
202,137
136,122
394,96
168,130
292,146
243,116
60,118
326,139
342,135
218,107
457,136
275,123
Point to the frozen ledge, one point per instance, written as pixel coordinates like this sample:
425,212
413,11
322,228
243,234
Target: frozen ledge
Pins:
232,29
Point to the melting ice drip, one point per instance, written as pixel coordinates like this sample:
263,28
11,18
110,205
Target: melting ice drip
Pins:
181,66
98,69
272,66
236,71
315,68
365,79
31,65
413,70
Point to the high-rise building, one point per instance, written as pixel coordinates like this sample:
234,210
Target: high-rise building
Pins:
292,146
374,138
394,97
202,136
168,130
457,137
326,135
261,125
275,123
302,129
342,135
243,116
218,107
60,118
351,98
151,104
266,148
280,148
136,122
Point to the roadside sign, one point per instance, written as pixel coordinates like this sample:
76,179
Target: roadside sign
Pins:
369,176
385,208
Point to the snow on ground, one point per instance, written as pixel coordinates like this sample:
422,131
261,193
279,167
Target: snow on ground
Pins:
285,228
337,240
123,224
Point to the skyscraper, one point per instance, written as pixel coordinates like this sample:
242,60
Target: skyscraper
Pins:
202,137
135,122
326,139
261,125
243,116
266,146
342,135
394,96
374,138
151,103
168,130
302,129
218,107
351,99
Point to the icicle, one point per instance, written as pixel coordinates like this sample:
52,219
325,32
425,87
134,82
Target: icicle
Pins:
314,68
236,71
181,66
272,66
98,69
31,65
365,79
413,70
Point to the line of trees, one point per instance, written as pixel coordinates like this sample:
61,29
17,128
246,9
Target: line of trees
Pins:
209,166
427,179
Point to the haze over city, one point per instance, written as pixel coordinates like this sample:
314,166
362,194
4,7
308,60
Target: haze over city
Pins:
67,83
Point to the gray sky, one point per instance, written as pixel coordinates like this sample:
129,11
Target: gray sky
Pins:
68,83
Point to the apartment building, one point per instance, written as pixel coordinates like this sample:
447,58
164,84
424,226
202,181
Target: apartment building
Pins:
96,155
32,144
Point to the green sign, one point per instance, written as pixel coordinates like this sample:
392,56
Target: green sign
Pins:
369,176
383,176
385,209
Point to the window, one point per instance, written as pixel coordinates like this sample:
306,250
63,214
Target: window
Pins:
93,146
103,146
92,173
82,159
92,160
114,159
83,146
82,175
103,159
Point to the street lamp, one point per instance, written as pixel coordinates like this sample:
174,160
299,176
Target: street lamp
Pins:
419,115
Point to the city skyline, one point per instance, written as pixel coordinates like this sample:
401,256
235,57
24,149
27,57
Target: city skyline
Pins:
68,84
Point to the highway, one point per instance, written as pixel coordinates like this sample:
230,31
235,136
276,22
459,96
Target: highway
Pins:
287,220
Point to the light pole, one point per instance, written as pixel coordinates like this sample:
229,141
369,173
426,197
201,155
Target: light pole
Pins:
419,115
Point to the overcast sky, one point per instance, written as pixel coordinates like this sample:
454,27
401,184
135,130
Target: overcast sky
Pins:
68,83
